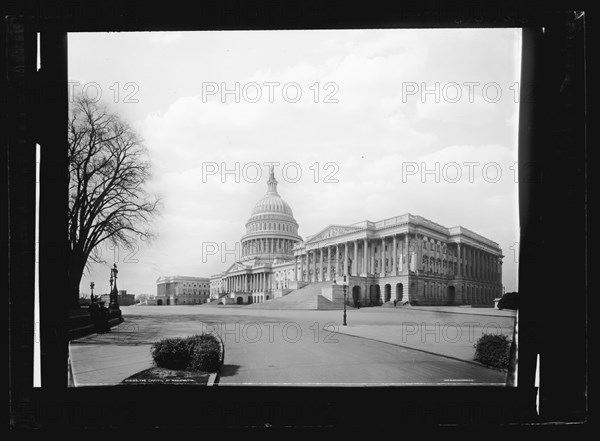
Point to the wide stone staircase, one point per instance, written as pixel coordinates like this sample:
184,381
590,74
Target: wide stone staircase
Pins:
308,297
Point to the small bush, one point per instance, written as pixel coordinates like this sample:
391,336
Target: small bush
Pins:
493,350
206,354
509,300
195,353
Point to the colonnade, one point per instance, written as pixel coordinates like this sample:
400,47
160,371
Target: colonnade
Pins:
258,282
269,246
395,255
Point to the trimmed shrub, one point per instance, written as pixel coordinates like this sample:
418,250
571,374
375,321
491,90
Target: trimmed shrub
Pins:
195,353
493,350
206,354
509,300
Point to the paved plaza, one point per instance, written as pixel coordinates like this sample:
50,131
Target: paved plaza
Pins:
380,346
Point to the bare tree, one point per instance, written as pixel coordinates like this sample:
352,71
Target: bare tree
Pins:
108,201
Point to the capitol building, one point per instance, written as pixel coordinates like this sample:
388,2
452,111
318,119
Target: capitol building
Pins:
405,258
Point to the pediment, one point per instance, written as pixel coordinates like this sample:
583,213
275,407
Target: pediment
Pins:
330,232
237,266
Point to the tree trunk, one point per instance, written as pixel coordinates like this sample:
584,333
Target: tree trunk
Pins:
76,267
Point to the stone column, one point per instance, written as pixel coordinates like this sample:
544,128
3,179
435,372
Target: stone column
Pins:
471,261
372,257
496,268
355,261
337,261
407,252
394,258
485,267
314,266
365,257
500,273
328,262
321,264
295,267
382,258
482,264
345,272
419,251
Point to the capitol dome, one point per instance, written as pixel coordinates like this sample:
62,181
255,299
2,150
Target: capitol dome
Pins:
272,203
271,230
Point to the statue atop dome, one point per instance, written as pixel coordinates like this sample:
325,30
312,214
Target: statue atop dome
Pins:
272,182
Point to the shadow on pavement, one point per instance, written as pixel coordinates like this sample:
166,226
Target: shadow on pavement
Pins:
229,370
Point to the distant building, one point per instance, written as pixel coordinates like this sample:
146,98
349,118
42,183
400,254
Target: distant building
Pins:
182,290
123,298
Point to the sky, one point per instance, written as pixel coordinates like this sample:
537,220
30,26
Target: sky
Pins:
364,124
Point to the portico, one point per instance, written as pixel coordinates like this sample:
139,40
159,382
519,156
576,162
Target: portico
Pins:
404,258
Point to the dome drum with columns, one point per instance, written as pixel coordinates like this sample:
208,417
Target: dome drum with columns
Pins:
271,230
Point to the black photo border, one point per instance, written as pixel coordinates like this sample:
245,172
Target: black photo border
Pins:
553,315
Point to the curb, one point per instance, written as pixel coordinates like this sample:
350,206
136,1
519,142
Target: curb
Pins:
213,380
71,381
418,308
476,363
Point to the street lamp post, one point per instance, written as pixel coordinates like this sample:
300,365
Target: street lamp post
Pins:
114,293
92,292
344,323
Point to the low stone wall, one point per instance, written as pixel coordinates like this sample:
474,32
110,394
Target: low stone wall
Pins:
334,293
80,322
281,292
